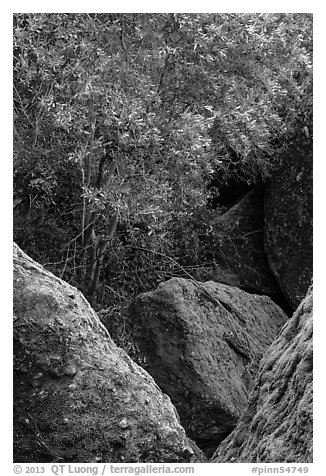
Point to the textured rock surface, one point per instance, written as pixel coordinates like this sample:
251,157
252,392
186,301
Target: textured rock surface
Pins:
277,425
77,396
241,245
202,344
288,220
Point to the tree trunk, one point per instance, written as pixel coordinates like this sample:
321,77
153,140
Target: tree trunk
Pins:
99,249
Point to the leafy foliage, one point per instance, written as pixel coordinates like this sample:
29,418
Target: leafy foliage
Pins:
120,120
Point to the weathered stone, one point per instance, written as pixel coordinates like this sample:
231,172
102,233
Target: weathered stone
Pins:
240,233
202,344
277,425
288,219
77,396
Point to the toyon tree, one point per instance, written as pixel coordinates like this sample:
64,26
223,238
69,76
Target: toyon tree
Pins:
120,120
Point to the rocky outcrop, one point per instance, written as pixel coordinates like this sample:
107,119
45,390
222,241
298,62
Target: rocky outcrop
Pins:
277,425
241,252
77,396
202,344
288,219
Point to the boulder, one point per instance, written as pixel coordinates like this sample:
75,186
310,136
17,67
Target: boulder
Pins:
77,396
277,425
288,219
202,343
241,252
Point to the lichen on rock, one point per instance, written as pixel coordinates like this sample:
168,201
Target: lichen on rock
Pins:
77,396
277,426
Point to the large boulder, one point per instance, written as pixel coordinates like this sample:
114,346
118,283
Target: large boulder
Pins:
288,219
77,396
241,252
277,425
202,343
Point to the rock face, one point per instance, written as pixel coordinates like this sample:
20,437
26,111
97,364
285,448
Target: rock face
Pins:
77,396
241,245
288,220
277,425
203,343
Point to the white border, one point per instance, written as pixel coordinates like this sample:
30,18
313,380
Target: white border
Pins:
318,10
